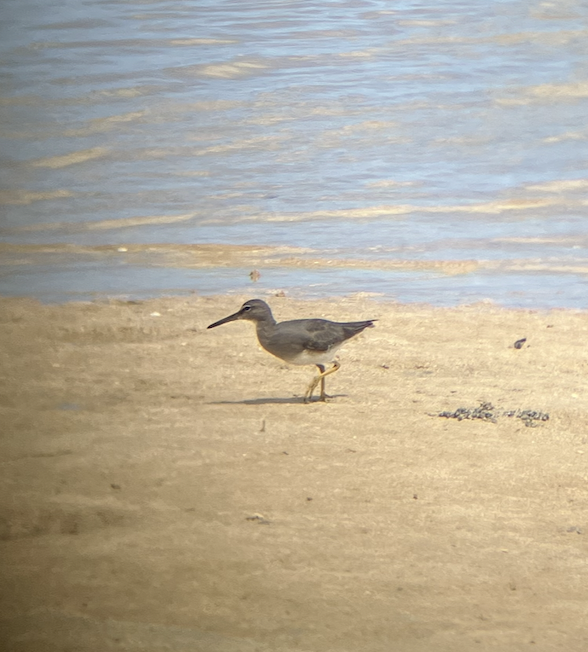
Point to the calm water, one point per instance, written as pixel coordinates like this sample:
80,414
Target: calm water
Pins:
439,148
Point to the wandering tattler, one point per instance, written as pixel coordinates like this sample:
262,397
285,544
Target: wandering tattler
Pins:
300,341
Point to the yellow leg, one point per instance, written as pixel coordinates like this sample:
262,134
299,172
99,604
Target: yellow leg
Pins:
321,378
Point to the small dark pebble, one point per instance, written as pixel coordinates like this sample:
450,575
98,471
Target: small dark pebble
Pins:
519,343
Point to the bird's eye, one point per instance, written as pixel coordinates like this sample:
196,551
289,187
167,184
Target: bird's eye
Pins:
246,308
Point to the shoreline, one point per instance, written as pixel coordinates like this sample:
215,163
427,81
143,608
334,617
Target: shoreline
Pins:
82,272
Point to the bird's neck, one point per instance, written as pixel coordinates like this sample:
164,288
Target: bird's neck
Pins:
264,327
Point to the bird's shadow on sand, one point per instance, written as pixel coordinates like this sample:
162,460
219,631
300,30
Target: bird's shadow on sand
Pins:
278,401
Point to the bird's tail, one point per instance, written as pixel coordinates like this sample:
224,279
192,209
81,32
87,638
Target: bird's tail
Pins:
354,327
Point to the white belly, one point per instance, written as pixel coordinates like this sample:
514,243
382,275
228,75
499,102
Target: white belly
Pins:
315,357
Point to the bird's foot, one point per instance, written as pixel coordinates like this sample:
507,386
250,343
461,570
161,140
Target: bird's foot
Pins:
320,399
320,379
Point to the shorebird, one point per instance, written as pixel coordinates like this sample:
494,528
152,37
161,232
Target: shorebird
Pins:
300,341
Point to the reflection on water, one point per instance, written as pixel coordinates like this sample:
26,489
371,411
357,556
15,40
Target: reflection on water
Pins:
389,134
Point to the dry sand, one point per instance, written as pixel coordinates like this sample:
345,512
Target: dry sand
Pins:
164,488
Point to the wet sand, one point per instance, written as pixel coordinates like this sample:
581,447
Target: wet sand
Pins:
163,486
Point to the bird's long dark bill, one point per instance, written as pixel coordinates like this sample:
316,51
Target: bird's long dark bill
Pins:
226,320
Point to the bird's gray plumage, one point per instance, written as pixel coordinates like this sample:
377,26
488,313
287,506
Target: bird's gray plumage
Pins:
299,341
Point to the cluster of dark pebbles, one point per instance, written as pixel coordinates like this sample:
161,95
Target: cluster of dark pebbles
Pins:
487,412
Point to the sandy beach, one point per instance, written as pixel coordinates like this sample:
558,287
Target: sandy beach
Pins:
165,488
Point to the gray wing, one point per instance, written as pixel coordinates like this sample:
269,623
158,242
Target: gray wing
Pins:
292,337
